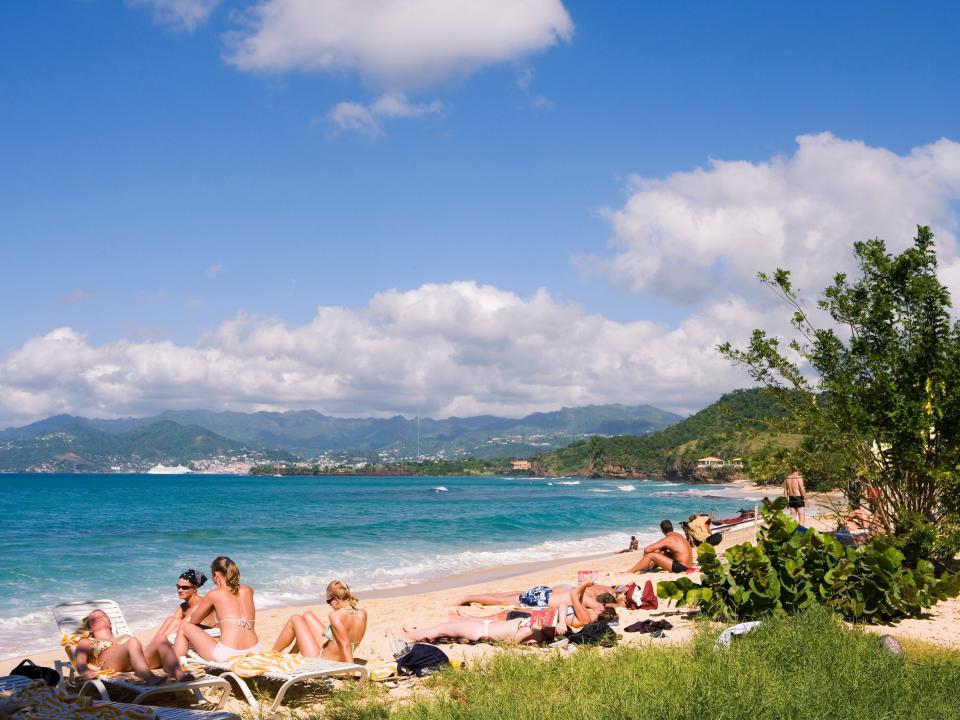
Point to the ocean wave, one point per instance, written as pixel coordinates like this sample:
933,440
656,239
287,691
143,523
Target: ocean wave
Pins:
601,490
626,488
565,482
439,488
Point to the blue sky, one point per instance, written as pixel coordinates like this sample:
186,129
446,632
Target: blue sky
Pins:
157,182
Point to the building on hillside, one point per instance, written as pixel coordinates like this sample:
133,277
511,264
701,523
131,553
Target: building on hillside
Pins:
737,463
521,464
709,463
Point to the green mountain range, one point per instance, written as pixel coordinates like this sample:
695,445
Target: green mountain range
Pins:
70,444
739,425
65,443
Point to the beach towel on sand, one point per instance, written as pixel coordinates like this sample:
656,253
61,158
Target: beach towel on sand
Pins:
47,703
251,665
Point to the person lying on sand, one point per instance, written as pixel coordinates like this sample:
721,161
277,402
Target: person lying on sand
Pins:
575,614
122,653
544,596
671,553
478,630
336,641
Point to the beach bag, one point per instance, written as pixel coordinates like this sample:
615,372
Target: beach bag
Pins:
630,597
595,634
421,659
29,669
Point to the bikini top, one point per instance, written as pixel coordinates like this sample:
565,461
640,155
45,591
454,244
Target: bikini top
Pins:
329,631
241,621
97,647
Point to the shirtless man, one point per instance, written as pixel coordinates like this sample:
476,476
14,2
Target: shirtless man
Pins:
673,553
796,494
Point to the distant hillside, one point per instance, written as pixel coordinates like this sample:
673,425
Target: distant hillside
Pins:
735,426
309,433
70,444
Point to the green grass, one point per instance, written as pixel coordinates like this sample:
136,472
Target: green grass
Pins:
806,667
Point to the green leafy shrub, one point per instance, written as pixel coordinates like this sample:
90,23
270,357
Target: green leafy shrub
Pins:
787,572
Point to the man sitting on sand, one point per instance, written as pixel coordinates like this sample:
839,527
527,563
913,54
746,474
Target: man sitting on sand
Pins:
634,545
673,553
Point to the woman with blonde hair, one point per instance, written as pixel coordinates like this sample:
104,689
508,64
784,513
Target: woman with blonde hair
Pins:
336,641
236,615
123,653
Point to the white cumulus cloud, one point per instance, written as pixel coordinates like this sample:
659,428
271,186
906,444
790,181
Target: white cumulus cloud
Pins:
185,15
398,44
440,349
706,232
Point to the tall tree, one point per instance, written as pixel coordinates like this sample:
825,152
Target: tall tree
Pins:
878,394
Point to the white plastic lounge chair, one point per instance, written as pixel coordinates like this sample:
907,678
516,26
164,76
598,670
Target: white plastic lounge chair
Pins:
312,670
69,617
13,683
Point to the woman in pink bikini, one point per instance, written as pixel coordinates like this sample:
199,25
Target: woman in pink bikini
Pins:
233,604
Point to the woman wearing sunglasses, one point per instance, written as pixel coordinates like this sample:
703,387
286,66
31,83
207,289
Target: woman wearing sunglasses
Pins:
188,585
336,641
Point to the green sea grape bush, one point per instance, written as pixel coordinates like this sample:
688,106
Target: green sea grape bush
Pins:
787,572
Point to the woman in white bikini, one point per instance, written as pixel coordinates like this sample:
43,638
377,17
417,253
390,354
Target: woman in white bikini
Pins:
233,604
123,653
335,641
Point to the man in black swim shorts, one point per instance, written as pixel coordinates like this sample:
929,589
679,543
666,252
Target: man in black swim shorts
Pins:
796,493
672,553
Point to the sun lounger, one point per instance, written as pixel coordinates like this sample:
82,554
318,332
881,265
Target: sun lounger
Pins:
310,670
69,617
14,683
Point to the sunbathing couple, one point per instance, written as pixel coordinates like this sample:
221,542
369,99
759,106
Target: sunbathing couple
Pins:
232,605
571,607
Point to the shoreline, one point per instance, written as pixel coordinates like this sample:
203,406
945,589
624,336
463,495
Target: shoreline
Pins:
500,576
428,602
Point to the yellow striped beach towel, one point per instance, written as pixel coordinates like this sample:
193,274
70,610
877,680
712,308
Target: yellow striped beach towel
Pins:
47,703
247,666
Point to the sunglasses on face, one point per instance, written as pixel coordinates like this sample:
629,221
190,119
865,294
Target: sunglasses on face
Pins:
184,587
330,601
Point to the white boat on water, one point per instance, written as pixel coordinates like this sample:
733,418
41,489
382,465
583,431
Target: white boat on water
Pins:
168,470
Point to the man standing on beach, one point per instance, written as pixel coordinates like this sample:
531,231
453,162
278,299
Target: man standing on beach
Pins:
796,495
673,553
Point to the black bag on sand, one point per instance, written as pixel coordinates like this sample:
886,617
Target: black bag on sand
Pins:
597,633
421,659
29,669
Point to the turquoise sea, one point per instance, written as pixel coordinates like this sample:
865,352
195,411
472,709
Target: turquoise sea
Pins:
128,537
